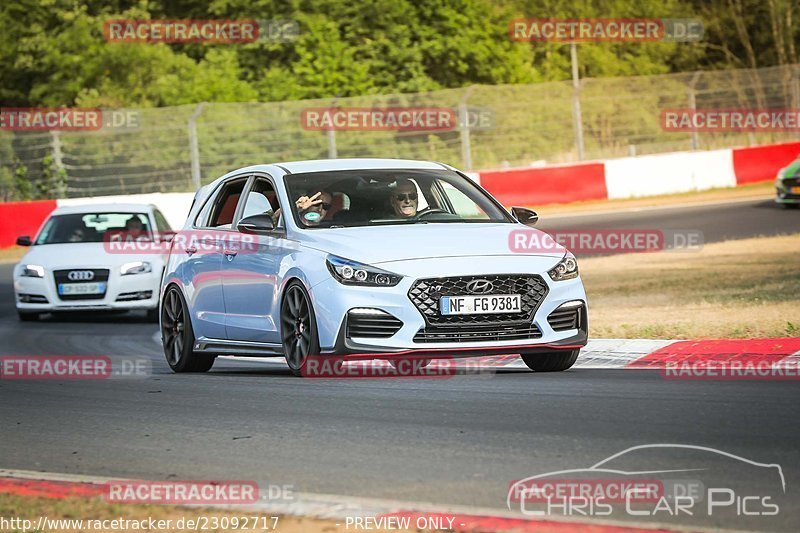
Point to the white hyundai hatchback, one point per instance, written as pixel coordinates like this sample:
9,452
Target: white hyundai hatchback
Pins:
99,257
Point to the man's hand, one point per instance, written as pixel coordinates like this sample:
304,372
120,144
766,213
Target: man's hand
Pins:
304,202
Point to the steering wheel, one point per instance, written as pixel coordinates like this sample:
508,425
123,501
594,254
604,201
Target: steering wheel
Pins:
430,211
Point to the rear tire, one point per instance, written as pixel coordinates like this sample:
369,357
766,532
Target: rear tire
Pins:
298,327
551,362
177,336
28,317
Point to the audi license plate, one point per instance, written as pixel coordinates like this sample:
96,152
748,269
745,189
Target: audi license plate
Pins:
480,305
72,289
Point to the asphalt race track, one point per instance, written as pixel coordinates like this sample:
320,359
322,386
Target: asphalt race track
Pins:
717,222
457,441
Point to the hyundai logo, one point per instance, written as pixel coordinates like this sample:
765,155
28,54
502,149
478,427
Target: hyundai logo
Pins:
480,286
81,275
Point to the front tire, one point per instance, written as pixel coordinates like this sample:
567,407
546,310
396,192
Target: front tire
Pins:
298,328
552,361
177,336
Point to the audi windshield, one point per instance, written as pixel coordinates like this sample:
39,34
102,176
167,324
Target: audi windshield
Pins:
93,227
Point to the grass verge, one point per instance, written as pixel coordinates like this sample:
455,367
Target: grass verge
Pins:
733,289
12,255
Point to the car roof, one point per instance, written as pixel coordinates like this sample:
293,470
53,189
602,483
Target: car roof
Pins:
104,207
321,165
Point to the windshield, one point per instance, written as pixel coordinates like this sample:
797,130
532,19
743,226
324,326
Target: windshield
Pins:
388,197
93,227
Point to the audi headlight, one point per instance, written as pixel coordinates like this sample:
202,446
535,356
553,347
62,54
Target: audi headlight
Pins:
567,268
350,272
137,267
32,271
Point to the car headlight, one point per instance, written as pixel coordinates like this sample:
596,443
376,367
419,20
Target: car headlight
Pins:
137,267
781,174
32,271
350,272
567,268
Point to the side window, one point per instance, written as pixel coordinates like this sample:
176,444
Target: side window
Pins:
261,200
224,206
161,223
462,204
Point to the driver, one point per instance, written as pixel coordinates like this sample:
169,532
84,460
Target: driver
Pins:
404,198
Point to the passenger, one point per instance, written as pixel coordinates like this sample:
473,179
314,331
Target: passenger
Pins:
312,209
77,235
404,198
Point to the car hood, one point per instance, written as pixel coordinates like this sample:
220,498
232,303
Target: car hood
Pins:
379,244
83,254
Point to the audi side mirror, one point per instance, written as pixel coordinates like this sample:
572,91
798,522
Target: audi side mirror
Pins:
525,216
256,225
24,240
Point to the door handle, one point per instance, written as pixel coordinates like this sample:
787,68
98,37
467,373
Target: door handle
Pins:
191,251
230,254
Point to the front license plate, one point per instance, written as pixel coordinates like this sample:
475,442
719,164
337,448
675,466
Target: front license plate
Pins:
480,305
794,190
71,289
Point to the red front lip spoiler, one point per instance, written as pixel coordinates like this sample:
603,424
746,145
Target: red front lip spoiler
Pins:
454,353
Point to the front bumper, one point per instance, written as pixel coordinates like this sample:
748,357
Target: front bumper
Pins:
122,293
782,194
332,302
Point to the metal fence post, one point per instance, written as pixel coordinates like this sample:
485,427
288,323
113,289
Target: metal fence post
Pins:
194,149
332,143
332,152
463,117
693,107
576,102
58,160
796,91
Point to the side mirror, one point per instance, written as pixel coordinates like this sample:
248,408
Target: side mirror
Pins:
525,216
166,236
25,240
256,225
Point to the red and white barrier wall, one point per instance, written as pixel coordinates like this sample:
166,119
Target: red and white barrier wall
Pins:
627,177
635,177
25,218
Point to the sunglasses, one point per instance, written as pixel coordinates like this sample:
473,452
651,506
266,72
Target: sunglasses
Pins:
323,205
406,196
